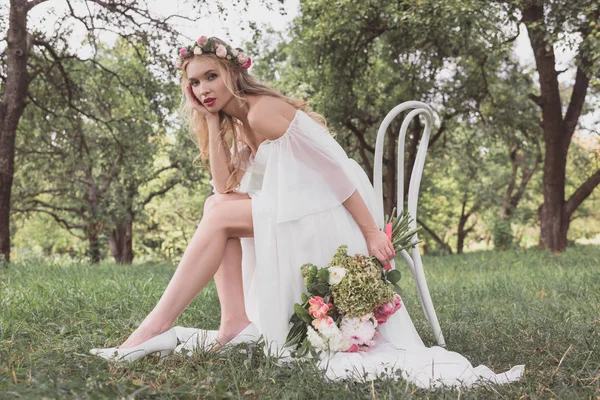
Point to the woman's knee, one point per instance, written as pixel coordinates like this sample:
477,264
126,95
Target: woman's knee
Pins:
219,198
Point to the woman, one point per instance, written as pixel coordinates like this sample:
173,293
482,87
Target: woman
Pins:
287,195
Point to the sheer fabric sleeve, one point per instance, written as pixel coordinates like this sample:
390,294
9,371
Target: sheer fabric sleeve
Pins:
306,172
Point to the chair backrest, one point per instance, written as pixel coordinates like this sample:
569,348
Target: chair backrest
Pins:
417,172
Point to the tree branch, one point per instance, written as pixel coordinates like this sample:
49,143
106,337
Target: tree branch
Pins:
582,193
435,237
576,103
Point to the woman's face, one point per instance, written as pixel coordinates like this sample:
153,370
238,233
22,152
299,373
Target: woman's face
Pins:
208,84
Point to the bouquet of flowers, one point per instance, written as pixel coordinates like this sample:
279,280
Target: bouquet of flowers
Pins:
350,298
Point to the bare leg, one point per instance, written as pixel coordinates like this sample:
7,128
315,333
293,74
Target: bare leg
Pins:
228,280
199,263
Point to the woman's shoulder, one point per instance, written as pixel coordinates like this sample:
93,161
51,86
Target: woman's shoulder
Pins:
270,117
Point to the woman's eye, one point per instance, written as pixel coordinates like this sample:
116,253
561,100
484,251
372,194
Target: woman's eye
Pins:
194,83
211,77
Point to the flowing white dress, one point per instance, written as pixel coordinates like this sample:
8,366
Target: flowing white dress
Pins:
297,184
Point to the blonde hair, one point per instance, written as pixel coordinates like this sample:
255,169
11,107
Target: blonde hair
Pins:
244,84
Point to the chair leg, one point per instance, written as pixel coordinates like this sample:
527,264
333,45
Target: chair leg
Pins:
425,297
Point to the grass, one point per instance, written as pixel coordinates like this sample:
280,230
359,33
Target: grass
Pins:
497,309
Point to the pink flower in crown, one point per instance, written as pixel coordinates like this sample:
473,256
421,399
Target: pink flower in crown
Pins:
221,51
183,52
235,52
178,63
242,58
201,40
248,63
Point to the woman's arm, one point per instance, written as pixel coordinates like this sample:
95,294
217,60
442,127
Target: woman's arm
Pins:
219,156
357,207
378,243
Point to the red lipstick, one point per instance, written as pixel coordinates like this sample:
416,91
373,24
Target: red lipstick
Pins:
209,101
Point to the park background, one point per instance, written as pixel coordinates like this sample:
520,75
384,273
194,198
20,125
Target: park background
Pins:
97,172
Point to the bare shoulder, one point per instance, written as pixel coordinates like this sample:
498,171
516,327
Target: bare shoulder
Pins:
270,117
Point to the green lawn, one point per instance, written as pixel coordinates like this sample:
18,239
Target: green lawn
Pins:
497,309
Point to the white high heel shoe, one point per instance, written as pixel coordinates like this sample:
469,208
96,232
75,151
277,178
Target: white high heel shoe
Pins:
194,338
164,344
207,340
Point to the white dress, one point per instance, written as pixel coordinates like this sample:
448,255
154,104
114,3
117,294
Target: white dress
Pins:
297,184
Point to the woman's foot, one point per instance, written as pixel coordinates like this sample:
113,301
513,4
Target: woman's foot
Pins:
141,334
229,330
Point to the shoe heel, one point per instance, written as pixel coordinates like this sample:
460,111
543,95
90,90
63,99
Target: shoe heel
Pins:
164,353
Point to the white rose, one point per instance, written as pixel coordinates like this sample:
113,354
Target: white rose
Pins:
338,343
336,274
197,50
234,52
315,339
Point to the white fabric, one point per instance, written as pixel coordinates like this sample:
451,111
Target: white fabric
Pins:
297,184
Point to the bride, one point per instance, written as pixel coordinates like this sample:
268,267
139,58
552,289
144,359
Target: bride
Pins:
286,194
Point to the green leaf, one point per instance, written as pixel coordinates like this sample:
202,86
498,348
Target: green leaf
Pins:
393,276
323,275
302,313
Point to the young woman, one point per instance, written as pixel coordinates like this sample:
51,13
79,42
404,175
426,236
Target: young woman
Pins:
286,194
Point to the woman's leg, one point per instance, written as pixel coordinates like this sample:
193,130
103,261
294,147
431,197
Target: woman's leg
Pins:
230,289
200,262
228,278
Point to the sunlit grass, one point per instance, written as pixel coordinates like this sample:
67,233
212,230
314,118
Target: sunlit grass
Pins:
497,309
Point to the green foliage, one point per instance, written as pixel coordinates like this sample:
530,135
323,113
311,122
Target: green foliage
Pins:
503,235
361,290
546,307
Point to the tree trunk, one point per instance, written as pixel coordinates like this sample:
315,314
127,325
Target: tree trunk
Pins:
391,178
92,232
121,244
555,212
445,246
462,231
11,108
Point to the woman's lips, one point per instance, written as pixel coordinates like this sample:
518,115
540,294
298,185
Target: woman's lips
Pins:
209,102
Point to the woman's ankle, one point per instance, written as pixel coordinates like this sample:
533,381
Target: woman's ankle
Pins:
232,324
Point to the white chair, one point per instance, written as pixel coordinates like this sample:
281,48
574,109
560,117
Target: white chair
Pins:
414,258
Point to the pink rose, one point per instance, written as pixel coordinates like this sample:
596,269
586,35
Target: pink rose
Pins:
242,58
397,302
320,323
353,349
317,308
388,309
381,319
248,63
221,51
202,39
183,52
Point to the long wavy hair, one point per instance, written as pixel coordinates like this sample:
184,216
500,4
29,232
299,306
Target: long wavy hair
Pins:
240,83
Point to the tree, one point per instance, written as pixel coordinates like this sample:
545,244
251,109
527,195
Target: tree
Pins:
131,19
87,173
546,22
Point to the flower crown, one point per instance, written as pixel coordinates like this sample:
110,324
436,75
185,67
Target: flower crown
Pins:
209,45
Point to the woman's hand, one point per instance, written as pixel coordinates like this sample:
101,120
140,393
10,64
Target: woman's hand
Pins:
197,105
380,246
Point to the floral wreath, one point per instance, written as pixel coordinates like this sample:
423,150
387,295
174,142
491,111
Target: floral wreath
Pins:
209,45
